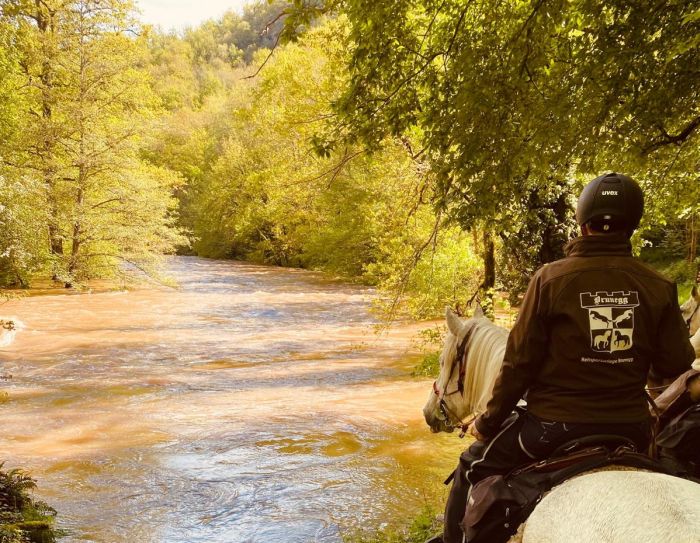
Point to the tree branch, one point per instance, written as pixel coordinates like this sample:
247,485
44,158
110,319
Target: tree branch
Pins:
429,59
668,139
335,170
269,56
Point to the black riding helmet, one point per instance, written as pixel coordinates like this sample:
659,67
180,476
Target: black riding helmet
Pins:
610,200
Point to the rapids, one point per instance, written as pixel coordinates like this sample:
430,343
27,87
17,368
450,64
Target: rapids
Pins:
250,404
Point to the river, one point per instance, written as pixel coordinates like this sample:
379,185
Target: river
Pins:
249,404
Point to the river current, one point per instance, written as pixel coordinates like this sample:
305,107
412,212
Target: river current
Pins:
249,404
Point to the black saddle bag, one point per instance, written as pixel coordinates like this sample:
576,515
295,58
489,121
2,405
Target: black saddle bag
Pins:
679,443
496,508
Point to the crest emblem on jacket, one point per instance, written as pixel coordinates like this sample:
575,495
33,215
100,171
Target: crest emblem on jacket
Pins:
611,319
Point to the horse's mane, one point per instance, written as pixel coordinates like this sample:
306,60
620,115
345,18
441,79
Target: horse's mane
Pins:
484,355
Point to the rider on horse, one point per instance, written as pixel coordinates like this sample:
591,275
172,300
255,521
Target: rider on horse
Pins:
592,329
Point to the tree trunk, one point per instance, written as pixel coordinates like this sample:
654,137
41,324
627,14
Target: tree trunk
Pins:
44,20
487,287
77,241
552,247
692,239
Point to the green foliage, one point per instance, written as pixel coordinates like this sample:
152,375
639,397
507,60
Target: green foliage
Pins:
74,171
430,342
22,243
254,190
444,272
23,519
515,104
429,366
396,142
234,38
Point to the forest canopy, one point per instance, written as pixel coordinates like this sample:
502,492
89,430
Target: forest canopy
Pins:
434,149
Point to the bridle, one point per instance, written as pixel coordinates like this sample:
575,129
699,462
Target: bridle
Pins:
449,416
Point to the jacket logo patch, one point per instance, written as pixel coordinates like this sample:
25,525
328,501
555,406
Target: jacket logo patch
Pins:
611,319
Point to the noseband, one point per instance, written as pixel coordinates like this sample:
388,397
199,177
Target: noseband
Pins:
450,418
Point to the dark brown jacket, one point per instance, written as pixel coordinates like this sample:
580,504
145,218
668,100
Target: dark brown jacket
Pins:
591,327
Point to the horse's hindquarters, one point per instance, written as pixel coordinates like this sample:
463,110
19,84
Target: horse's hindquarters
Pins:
617,507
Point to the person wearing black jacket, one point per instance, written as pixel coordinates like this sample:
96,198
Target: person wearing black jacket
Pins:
592,329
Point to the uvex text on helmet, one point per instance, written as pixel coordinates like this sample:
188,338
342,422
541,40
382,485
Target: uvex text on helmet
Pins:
612,196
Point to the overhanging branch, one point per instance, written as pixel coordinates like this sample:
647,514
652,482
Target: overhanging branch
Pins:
669,139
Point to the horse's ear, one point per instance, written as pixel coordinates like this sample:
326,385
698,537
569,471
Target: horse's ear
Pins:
695,293
454,323
478,312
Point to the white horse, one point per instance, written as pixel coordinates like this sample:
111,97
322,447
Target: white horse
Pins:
691,311
615,506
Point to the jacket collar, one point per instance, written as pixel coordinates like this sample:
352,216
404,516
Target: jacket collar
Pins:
599,246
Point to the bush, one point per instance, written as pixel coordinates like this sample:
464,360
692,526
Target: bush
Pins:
23,519
429,366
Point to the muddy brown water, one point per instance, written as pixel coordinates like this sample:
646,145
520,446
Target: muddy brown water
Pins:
251,404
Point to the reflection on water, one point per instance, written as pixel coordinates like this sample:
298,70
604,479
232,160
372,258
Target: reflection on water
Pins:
251,404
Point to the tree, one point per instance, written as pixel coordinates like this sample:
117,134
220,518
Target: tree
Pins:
234,38
255,189
21,223
36,36
513,104
90,106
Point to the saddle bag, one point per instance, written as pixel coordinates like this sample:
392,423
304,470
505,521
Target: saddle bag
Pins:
679,443
496,508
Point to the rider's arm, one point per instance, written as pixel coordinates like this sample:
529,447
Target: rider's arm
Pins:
527,343
674,353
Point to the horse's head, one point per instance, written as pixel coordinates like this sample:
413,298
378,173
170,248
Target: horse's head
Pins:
446,405
691,310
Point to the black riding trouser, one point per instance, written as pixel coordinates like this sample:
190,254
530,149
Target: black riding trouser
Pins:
522,439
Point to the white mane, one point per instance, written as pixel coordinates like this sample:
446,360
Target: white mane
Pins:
484,358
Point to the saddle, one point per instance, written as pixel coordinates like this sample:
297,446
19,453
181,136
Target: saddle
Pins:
499,504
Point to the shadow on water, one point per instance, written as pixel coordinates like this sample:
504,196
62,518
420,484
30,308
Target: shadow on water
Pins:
250,404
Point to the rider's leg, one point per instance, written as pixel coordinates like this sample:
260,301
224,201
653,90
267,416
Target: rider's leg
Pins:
498,456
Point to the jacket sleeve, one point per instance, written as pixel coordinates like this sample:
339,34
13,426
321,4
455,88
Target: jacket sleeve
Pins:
525,352
674,352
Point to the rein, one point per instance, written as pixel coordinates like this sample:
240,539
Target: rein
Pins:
655,427
447,413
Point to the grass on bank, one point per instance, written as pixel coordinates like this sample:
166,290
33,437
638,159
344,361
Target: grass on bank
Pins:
425,525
